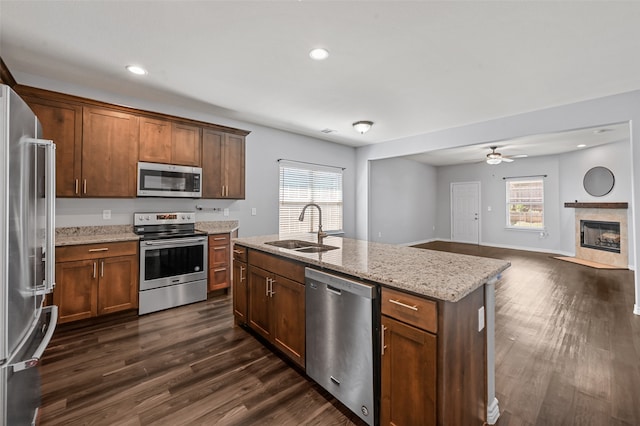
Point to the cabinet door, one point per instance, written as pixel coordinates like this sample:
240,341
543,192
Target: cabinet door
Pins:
212,163
118,284
62,123
109,153
408,375
233,166
240,291
75,293
288,318
185,145
155,141
259,301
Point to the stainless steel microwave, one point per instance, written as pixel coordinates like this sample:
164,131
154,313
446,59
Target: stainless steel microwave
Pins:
167,180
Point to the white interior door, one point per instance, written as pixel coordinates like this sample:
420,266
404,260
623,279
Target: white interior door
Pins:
465,212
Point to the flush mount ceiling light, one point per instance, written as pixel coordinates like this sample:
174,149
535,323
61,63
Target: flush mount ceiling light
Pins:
136,69
362,127
319,54
581,145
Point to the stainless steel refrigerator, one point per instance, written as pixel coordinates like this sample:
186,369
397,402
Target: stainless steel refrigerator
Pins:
27,264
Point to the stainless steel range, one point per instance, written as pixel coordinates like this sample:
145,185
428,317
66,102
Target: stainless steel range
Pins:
173,260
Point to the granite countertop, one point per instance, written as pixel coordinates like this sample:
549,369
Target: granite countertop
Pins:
439,275
217,226
75,235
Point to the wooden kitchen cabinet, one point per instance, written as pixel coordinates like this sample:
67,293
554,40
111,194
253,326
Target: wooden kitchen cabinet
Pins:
168,142
223,165
95,279
219,259
240,285
433,362
62,123
277,303
109,153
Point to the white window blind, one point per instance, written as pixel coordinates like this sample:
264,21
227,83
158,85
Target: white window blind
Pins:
301,184
525,203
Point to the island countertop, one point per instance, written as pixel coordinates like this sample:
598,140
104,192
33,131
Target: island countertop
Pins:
435,274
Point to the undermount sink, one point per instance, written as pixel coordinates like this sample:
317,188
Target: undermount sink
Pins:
302,246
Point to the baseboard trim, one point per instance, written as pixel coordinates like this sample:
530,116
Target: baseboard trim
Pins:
636,309
493,412
415,243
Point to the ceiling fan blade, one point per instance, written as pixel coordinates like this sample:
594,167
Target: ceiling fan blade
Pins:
507,160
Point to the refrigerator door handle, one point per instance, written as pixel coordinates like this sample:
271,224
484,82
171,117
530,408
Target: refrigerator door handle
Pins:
35,358
50,245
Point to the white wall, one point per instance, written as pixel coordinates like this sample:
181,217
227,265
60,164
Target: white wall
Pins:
264,147
619,108
403,201
562,184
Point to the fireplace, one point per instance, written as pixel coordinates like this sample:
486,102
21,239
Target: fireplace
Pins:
600,235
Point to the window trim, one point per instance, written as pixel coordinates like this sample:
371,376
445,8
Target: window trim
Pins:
508,225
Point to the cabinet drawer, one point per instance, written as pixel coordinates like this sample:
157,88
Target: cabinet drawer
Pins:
285,268
95,251
218,240
410,309
239,253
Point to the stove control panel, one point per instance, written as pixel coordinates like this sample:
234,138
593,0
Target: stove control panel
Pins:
163,218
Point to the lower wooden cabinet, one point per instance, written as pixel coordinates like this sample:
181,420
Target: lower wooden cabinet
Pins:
408,375
276,303
219,276
95,279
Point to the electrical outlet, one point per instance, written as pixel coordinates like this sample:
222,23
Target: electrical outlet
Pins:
481,318
226,212
379,234
488,208
106,214
254,211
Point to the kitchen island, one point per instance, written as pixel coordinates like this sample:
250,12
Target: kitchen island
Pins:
437,322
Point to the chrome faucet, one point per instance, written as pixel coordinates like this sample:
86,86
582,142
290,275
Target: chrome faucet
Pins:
321,234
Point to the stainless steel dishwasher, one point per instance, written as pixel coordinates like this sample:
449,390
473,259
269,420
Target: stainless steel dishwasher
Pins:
342,324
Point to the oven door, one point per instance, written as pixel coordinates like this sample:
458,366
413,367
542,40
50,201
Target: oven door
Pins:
172,261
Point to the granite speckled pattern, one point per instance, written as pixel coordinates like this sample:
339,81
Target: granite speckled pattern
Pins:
217,226
434,274
76,235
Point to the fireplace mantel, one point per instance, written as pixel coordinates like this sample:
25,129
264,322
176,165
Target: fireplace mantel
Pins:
597,205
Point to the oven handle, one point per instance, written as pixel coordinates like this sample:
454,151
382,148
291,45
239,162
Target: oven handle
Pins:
174,241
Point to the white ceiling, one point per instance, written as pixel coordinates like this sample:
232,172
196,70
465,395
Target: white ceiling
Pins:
411,67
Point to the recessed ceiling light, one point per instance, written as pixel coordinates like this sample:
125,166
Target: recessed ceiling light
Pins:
135,69
581,145
319,54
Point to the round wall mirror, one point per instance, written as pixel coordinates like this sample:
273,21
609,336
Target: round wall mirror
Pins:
598,181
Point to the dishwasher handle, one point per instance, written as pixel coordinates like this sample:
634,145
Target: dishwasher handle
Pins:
340,285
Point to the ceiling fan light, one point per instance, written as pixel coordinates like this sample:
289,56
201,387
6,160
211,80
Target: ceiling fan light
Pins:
493,160
362,127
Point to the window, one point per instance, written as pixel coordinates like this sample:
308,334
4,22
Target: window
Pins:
301,184
525,203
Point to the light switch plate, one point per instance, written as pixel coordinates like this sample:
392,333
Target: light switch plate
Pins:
254,211
226,212
106,214
481,318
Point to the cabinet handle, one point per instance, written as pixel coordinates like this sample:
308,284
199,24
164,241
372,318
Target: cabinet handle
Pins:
95,265
241,271
404,305
271,289
267,286
77,185
219,269
84,186
383,345
223,190
102,269
238,251
99,249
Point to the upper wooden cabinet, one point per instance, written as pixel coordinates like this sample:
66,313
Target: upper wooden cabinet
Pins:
99,145
109,152
62,123
163,141
223,165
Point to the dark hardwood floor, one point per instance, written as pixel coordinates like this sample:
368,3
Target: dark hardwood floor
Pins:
567,353
567,341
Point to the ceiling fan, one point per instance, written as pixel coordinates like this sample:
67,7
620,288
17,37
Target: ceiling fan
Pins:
496,158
